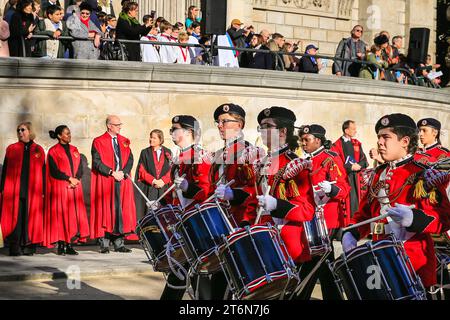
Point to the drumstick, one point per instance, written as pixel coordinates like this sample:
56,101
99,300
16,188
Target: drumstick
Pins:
261,209
383,216
227,185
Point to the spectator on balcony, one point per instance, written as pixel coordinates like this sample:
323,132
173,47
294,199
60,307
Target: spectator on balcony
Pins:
192,16
195,30
81,26
129,28
276,44
175,33
10,9
387,51
166,52
4,35
397,44
21,30
290,61
54,27
180,26
149,51
350,48
310,64
373,70
239,35
45,4
183,55
259,60
266,36
38,14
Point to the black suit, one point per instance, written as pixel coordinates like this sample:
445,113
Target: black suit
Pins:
125,30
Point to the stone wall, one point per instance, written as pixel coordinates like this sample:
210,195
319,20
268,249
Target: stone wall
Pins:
146,96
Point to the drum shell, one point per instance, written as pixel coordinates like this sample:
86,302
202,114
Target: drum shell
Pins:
363,273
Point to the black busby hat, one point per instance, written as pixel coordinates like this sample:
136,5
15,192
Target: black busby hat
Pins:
187,122
381,39
314,129
429,122
395,120
229,108
277,113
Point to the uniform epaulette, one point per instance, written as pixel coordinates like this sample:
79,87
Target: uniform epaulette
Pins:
421,164
291,155
331,153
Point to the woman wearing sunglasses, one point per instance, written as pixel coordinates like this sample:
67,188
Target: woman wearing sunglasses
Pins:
22,193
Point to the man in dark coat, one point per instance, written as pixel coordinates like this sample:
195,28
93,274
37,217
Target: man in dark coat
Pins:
240,37
352,155
309,64
350,48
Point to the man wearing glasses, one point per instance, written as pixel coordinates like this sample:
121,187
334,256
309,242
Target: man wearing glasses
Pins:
113,210
353,48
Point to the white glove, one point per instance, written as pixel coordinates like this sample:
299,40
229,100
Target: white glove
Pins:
348,242
181,183
325,186
401,214
224,192
269,203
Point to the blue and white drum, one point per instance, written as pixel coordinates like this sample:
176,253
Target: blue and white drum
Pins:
378,270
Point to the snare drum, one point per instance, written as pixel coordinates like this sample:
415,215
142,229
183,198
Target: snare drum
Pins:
378,270
202,229
317,235
156,233
256,264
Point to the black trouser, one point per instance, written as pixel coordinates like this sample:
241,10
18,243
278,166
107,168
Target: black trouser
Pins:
329,288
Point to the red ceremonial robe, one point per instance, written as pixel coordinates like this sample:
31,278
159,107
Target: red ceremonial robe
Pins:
404,185
9,200
65,213
103,204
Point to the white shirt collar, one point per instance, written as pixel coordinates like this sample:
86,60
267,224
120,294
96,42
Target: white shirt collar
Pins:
431,146
346,139
315,153
399,162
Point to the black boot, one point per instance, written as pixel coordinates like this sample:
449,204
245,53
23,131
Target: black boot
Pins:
29,250
70,250
61,248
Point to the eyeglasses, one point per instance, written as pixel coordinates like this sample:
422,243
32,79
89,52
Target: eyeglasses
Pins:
116,124
224,122
173,129
85,13
358,30
21,130
266,126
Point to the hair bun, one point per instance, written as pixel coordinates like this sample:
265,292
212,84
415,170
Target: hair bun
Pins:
52,134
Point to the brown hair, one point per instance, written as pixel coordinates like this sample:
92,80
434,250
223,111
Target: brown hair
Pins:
239,118
183,36
165,25
130,6
159,133
29,127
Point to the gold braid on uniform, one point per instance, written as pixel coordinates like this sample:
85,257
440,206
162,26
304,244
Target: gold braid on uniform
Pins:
373,190
292,190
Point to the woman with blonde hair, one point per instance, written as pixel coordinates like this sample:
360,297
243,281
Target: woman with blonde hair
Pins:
22,193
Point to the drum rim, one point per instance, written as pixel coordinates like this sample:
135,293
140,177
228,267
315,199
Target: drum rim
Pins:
241,233
352,255
252,286
190,213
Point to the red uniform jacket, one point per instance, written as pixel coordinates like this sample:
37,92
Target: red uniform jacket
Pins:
437,151
102,217
327,165
235,162
295,201
9,199
194,163
405,186
65,213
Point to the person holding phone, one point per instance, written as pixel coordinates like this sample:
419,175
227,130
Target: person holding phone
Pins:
21,30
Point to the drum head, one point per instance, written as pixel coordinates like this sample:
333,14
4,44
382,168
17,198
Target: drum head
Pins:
162,262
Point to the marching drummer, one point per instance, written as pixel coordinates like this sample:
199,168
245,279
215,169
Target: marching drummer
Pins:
290,201
401,189
429,135
194,187
234,162
331,189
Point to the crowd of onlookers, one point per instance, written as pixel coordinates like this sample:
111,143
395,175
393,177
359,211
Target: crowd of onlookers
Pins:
96,20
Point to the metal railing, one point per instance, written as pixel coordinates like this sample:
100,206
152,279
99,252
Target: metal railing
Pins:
211,48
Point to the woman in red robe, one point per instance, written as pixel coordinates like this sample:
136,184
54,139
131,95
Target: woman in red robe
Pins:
65,220
22,193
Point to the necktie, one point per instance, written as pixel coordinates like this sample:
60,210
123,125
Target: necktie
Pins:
116,153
